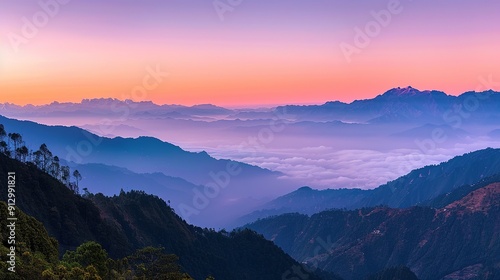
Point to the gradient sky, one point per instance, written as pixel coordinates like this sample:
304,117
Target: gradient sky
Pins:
263,52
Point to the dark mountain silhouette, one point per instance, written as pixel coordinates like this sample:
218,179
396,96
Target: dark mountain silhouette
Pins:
434,243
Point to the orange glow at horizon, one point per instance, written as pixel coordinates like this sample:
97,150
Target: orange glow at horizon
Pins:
229,64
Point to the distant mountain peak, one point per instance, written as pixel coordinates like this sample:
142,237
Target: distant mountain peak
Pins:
409,92
205,106
406,91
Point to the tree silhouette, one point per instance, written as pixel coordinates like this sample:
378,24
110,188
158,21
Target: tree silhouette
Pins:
65,175
77,176
86,193
3,133
22,153
46,157
4,148
54,169
17,140
3,145
38,159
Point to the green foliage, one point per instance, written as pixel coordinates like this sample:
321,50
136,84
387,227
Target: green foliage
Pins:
35,249
89,254
37,257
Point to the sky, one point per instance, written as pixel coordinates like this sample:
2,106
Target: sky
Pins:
242,52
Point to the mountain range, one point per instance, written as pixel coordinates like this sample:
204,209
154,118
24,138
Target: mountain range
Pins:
397,104
394,124
134,220
272,162
457,241
171,171
379,220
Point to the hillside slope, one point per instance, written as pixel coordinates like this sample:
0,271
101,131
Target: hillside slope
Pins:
461,237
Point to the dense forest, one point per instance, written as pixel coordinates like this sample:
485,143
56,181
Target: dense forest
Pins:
38,258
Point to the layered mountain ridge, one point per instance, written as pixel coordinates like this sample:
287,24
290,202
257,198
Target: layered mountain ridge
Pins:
135,220
444,243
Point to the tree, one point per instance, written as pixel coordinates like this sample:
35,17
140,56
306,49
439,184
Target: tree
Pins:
17,140
38,159
46,157
89,254
86,193
4,147
72,186
55,168
3,133
22,153
65,175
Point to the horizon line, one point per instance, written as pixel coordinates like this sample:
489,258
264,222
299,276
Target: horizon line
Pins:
236,106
